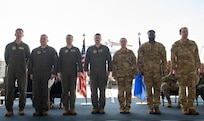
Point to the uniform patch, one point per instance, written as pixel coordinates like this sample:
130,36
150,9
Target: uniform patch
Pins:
21,48
73,50
14,48
44,51
66,50
94,51
38,52
100,50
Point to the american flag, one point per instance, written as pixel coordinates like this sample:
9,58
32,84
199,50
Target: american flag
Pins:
82,78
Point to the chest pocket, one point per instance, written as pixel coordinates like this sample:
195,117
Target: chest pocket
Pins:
126,60
185,52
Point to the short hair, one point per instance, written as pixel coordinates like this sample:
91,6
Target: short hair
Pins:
70,35
19,29
43,35
182,29
151,31
98,34
123,38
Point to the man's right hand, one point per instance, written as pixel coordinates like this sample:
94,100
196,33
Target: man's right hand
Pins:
141,72
31,76
115,77
88,73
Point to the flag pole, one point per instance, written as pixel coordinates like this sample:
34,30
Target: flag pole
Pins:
83,70
138,97
86,102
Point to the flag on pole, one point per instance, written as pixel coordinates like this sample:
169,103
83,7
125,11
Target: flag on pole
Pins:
139,87
139,39
82,78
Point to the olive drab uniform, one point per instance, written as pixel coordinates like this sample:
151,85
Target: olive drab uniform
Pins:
16,57
69,64
99,60
43,62
185,61
152,62
125,69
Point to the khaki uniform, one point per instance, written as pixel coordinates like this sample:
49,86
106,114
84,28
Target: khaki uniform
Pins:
124,68
169,83
152,61
185,61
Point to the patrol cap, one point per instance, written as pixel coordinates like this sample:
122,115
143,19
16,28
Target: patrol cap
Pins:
151,31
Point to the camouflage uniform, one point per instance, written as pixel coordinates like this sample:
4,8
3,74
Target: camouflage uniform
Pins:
152,61
169,83
185,61
200,86
124,68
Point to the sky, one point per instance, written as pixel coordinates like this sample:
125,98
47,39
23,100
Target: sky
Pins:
113,19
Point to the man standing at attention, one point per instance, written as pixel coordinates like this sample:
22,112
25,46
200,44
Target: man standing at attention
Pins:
17,54
124,71
152,64
185,62
42,67
70,67
98,66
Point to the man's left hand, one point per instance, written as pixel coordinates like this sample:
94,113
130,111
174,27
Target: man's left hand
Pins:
52,76
108,73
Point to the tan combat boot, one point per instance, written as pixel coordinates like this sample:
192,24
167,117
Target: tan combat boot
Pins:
101,111
193,112
157,110
45,113
127,111
179,104
94,111
185,111
169,104
66,112
73,112
8,114
122,110
36,113
151,111
21,112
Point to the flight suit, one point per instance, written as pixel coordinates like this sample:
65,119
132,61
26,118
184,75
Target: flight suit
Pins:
125,69
43,63
16,57
152,62
69,64
99,60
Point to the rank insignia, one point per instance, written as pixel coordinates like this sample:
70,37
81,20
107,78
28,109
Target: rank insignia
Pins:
73,50
100,50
